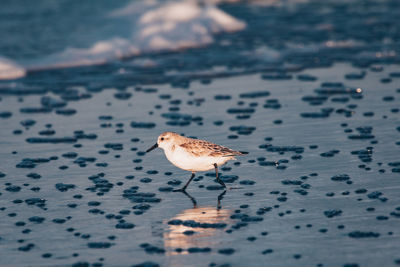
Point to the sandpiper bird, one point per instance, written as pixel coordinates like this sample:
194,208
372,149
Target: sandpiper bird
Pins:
194,155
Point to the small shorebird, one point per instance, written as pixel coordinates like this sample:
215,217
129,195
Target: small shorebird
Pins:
194,155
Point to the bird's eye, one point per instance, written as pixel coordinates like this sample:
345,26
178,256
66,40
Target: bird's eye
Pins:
162,138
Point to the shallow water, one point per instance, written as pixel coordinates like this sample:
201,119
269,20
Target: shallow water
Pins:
241,37
287,211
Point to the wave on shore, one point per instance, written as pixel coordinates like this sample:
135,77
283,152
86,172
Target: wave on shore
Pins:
168,27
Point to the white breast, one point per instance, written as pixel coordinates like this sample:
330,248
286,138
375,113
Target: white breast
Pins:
186,161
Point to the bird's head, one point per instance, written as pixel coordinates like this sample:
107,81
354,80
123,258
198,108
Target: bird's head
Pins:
165,140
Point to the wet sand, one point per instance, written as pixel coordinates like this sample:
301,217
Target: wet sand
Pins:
319,187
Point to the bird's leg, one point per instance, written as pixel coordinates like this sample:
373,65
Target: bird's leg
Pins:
191,198
216,176
186,185
220,197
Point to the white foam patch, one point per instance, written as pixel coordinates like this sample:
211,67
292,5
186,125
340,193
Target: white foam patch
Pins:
182,25
155,28
99,53
314,48
10,70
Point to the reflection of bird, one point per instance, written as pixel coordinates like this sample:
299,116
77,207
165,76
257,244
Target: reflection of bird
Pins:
220,197
194,155
189,234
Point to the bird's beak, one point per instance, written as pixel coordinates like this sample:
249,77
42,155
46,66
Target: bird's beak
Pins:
151,148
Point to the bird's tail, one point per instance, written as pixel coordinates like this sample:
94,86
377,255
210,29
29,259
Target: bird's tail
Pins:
237,153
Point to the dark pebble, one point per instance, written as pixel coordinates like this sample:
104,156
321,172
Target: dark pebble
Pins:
99,245
360,234
226,251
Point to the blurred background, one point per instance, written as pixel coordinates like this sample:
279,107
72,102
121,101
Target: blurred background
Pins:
309,87
135,37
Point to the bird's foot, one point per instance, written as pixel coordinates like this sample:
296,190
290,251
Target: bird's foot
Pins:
179,190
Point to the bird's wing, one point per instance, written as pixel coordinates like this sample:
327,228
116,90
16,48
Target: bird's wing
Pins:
204,148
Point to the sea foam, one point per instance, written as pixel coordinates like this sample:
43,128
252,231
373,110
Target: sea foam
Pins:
155,27
10,70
